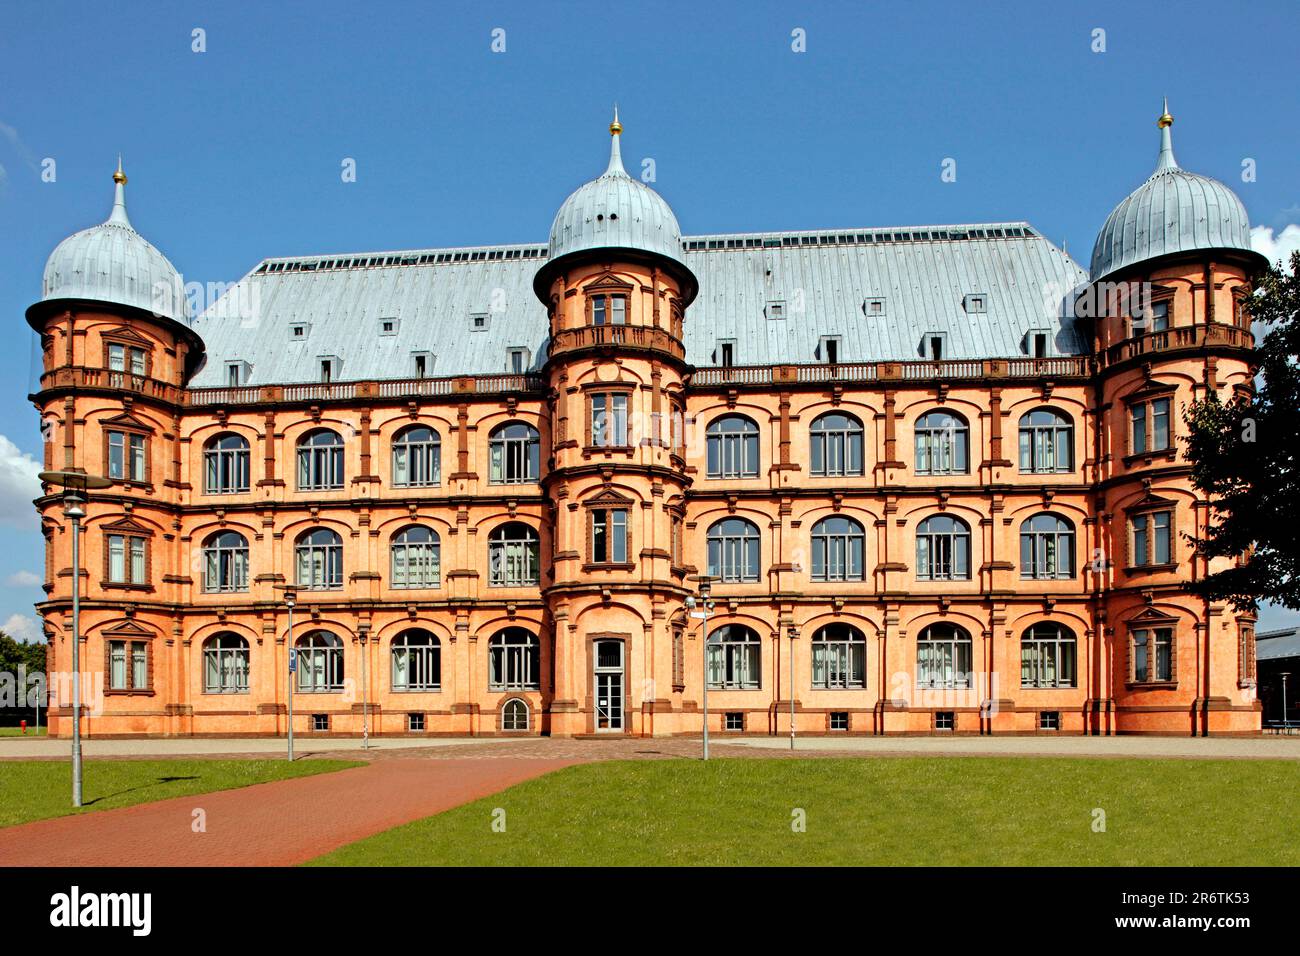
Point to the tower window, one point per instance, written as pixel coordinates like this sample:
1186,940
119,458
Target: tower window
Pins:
478,322
609,310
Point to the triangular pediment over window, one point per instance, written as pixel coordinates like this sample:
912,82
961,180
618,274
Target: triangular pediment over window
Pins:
129,630
608,282
128,526
127,420
607,498
126,334
1150,616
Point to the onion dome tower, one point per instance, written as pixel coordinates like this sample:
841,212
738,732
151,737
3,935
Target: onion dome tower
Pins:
1170,281
117,350
616,290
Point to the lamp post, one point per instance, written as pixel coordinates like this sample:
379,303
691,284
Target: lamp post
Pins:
75,484
793,633
1285,723
363,633
290,599
704,603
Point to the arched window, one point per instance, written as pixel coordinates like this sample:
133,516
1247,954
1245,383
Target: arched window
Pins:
1046,548
1047,656
514,660
733,658
513,556
320,461
320,560
836,445
320,663
515,454
225,665
838,549
943,656
1046,442
225,465
514,715
732,443
942,444
417,458
225,562
942,549
839,658
417,661
733,550
416,555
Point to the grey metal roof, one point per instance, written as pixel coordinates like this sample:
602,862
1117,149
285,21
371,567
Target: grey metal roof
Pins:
1173,211
112,262
1275,645
615,211
923,278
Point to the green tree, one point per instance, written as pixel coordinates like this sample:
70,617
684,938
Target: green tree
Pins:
13,653
1244,454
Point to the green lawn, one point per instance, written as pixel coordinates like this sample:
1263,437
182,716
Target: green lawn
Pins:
965,811
37,789
17,732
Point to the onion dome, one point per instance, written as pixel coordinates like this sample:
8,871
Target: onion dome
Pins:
113,263
1174,211
616,212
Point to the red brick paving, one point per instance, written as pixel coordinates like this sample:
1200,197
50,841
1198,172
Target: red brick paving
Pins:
269,824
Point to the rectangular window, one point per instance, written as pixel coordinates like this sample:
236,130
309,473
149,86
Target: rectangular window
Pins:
127,358
776,309
1049,720
126,559
518,361
598,312
945,720
126,456
618,310
1153,655
1039,345
415,723
1159,424
735,720
326,370
320,723
232,374
1150,423
421,365
726,354
140,665
1153,538
839,720
117,665
831,349
609,420
679,661
609,536
478,322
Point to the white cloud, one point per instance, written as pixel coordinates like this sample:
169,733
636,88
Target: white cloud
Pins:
22,579
18,486
23,627
1276,247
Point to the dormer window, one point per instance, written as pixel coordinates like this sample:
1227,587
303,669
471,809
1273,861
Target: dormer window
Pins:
422,363
934,346
1038,343
725,355
517,360
873,308
976,302
829,349
388,326
478,322
330,366
237,373
776,309
298,330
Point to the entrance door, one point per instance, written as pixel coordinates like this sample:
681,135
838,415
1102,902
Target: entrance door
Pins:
609,685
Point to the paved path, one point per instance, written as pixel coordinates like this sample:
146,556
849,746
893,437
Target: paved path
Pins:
59,747
270,824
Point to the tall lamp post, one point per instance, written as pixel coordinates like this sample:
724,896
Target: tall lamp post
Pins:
363,634
290,599
1285,722
699,607
75,484
793,633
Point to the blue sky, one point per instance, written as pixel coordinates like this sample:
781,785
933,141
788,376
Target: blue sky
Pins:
235,153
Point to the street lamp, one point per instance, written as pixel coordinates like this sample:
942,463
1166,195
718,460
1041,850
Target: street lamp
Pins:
1285,722
74,485
704,603
363,633
290,599
793,633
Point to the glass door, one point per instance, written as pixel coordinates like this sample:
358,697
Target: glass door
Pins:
609,685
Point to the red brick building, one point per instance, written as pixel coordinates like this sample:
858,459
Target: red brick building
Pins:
931,475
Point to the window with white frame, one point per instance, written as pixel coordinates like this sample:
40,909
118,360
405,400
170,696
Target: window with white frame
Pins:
1048,656
320,663
836,444
838,549
127,559
514,715
225,665
839,658
127,456
417,661
514,660
609,419
943,549
320,560
942,444
943,657
416,557
225,562
417,457
514,556
1046,547
128,665
734,658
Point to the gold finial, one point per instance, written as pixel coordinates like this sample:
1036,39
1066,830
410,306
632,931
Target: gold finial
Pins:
1165,120
615,127
119,177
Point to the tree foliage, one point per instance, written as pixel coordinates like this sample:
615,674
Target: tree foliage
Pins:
1245,455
